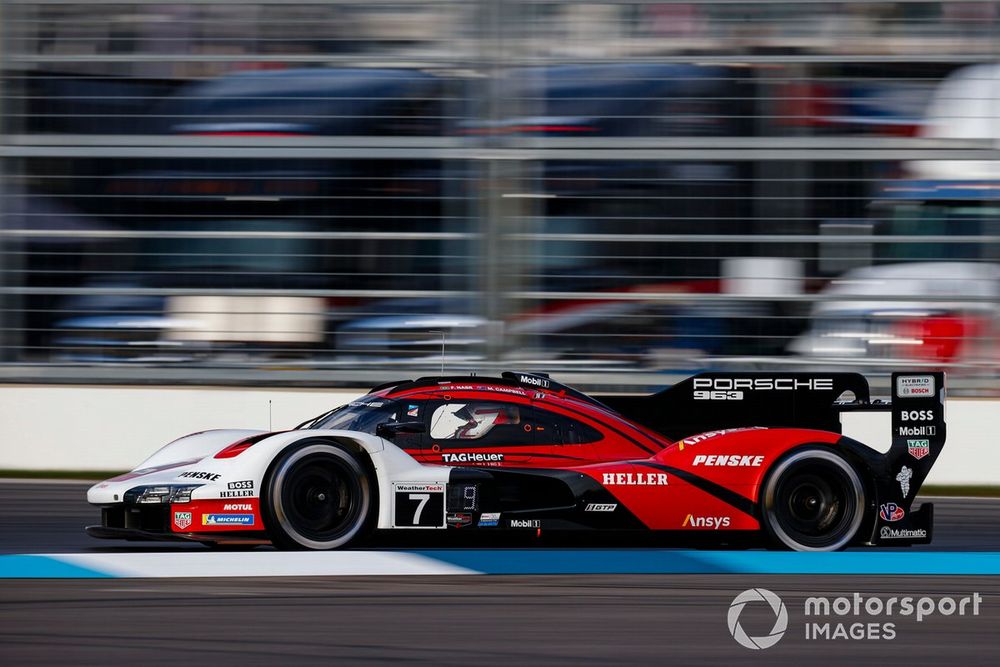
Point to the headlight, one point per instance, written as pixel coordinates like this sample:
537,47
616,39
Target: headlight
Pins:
152,495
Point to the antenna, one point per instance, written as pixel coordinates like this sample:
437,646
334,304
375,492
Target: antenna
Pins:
442,350
269,426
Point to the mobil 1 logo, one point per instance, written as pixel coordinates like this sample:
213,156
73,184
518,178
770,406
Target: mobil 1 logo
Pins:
418,505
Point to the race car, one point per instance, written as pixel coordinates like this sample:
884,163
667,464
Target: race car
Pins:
717,455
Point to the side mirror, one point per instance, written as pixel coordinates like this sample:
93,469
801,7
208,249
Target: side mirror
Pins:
389,429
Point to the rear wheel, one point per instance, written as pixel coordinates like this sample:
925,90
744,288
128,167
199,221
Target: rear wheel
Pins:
317,496
813,500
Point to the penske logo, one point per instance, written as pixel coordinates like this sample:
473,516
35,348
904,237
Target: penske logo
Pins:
710,522
729,460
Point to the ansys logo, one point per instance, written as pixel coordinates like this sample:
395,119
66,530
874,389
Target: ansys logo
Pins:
780,618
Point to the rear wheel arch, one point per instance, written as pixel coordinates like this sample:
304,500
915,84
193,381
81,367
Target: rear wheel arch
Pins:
842,470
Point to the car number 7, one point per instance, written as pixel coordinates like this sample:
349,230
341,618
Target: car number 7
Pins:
423,498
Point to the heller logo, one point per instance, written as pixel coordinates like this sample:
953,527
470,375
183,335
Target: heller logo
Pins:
780,618
635,479
713,522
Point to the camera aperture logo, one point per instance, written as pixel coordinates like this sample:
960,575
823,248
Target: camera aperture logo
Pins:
874,617
780,618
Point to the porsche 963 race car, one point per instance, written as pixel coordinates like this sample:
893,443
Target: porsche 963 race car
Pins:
719,454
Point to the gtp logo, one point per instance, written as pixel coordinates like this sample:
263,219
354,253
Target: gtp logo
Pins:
891,512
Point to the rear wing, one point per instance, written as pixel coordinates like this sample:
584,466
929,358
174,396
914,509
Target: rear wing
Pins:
713,401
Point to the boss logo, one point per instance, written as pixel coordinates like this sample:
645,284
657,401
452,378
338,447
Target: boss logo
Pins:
916,415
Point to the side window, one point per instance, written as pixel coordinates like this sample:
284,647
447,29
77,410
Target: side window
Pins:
472,420
555,429
481,423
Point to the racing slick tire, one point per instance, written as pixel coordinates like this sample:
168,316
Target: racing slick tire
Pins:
317,495
812,500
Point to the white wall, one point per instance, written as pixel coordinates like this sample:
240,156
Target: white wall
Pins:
114,428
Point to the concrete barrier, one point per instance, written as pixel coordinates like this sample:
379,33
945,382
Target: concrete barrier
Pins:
44,427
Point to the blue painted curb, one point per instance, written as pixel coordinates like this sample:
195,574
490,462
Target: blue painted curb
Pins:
625,561
44,567
539,561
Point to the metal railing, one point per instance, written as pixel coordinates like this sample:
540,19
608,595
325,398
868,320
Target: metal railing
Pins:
328,191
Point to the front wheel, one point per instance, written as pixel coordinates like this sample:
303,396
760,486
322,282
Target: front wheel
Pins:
317,496
813,500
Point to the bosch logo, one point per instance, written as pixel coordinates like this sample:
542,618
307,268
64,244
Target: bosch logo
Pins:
780,619
916,415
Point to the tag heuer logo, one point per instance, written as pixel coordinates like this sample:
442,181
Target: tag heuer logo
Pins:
182,520
918,449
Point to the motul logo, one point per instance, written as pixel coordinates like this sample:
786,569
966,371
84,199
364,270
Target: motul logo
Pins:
712,522
245,507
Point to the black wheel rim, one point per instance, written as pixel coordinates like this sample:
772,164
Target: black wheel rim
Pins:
321,498
815,503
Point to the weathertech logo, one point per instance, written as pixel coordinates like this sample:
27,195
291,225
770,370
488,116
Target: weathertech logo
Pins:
712,522
635,479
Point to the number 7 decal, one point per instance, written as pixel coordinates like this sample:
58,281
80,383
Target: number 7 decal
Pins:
418,505
423,498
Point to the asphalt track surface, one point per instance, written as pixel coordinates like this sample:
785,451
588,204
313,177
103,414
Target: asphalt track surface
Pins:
459,620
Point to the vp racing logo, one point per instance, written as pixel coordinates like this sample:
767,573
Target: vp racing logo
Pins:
780,618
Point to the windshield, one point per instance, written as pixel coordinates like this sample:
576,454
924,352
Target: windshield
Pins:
362,415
